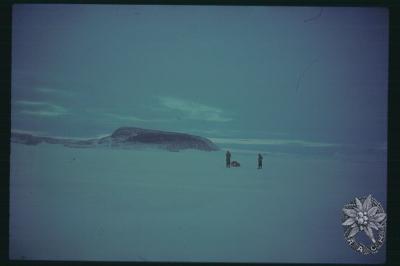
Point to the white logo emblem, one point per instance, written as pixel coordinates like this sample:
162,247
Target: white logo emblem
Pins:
364,216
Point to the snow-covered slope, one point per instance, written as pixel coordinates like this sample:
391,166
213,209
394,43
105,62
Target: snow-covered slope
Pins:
154,205
127,137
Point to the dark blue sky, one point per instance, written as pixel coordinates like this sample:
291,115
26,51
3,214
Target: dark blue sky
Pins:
225,72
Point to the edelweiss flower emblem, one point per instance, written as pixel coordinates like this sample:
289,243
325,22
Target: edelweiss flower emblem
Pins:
365,216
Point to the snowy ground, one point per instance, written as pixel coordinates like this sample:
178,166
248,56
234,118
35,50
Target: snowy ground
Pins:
154,205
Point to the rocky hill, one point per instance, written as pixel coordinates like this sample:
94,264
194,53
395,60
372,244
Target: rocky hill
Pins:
127,137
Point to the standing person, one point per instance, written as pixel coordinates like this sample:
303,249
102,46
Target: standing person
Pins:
260,158
228,159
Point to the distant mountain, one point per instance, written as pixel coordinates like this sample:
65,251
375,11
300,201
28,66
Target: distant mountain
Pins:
127,137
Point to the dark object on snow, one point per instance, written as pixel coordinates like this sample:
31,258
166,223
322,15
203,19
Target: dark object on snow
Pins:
260,158
228,159
235,164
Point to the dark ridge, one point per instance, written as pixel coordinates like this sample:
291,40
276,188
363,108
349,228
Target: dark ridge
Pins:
127,137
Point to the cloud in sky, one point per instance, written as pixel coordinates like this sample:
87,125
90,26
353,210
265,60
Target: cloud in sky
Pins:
193,110
130,118
40,108
31,132
271,142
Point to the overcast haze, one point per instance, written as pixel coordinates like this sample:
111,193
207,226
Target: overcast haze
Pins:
306,87
302,73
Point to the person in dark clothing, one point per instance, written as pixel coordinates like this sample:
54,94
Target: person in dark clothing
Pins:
228,159
260,158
